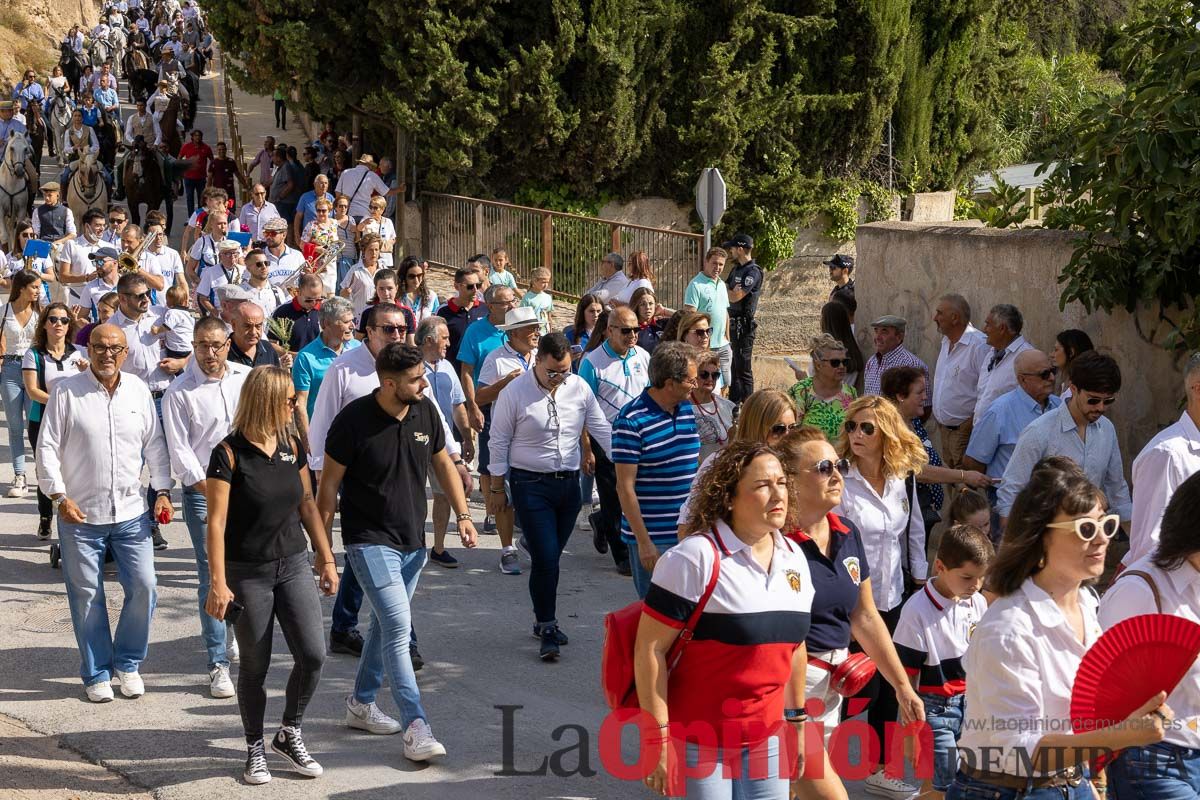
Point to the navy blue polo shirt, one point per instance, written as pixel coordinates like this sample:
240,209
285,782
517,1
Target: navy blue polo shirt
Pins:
836,582
749,277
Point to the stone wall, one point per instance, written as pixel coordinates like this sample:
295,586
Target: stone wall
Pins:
904,267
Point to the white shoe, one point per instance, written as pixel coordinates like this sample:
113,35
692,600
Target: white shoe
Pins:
99,692
219,683
131,684
367,717
18,488
231,648
881,785
419,744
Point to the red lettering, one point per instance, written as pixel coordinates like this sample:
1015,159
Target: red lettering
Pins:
839,750
649,746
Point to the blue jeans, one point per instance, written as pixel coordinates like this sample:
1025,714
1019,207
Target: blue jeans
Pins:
388,578
758,778
965,788
101,652
641,578
1160,772
945,717
212,630
192,189
346,605
12,390
547,505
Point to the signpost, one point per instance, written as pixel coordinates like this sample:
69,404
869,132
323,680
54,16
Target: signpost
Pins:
710,201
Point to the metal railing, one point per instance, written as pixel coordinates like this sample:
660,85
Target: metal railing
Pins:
571,246
235,137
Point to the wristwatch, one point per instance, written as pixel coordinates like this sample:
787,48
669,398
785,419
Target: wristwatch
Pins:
58,501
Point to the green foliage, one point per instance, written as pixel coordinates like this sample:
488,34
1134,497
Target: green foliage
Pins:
843,203
1005,207
1066,27
1131,184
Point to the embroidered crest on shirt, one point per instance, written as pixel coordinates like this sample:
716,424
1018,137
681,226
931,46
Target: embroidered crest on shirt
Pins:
793,579
420,437
853,569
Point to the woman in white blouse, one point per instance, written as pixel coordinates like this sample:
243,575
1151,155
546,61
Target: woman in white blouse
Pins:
1166,582
881,500
1017,736
376,223
18,322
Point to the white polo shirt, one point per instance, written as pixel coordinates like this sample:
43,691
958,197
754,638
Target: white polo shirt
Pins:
502,361
932,636
284,265
956,376
76,255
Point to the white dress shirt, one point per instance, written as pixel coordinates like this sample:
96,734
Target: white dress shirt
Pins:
359,184
1169,459
893,530
252,218
532,431
956,376
1001,378
1021,667
1131,596
145,348
351,376
197,414
92,447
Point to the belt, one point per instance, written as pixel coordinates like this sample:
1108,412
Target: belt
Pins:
1068,777
563,475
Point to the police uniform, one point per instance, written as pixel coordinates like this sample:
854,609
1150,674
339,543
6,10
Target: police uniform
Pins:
742,327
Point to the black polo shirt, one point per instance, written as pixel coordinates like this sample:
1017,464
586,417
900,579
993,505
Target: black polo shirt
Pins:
748,276
263,520
264,355
844,293
457,319
836,582
306,325
387,464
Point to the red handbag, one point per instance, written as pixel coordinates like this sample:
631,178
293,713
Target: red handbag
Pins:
849,677
620,632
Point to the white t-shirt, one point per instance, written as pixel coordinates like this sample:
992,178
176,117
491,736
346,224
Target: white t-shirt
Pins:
205,251
626,294
76,255
54,371
180,325
92,293
284,265
359,183
168,263
213,277
361,285
17,337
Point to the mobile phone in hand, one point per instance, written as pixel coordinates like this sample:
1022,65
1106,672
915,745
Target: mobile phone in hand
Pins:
233,611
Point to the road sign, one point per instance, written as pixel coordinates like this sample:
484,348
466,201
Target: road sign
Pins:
710,201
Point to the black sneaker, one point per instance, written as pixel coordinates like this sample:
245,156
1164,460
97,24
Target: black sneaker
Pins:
44,529
599,540
414,655
549,651
290,745
346,642
559,637
624,568
256,772
159,542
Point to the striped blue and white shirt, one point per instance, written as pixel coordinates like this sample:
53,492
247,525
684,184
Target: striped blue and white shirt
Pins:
664,448
615,380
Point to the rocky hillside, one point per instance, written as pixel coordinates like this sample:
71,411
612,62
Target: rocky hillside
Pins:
30,31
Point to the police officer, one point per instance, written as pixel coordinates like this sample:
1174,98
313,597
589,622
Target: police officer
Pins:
744,284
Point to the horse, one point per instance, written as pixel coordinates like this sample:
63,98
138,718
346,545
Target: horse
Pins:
191,82
141,82
14,187
170,128
108,136
144,183
86,189
99,52
61,109
72,65
118,40
36,128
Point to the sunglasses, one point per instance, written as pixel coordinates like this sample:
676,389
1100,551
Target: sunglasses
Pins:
1086,528
557,374
626,331
779,429
258,262
1046,374
825,467
1095,401
705,375
867,428
836,362
137,298
59,320
703,333
391,330
471,286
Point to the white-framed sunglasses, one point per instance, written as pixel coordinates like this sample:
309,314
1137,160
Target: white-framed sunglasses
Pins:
1086,528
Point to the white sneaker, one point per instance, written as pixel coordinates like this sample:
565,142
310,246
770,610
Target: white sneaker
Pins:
231,648
419,744
367,717
131,684
510,562
18,488
220,685
881,785
99,692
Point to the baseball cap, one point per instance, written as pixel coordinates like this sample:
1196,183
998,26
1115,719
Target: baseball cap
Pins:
741,240
231,292
840,262
890,321
103,253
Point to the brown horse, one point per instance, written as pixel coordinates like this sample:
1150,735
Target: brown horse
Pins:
170,128
143,181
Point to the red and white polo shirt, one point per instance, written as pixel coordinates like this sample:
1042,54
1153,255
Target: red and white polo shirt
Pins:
932,637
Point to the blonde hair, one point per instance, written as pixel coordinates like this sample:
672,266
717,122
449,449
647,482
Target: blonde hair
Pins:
177,295
823,343
902,450
262,408
540,272
760,411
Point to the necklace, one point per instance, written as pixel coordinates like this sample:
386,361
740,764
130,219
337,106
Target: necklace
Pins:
722,433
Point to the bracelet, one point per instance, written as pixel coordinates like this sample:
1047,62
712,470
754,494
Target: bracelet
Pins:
464,517
962,476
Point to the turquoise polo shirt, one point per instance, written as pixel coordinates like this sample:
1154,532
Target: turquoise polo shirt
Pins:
311,364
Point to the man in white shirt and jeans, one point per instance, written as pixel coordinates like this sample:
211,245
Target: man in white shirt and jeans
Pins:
89,419
962,356
197,411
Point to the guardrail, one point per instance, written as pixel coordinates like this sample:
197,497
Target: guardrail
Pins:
571,246
235,137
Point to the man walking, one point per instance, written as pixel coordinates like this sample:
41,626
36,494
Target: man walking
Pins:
708,294
98,496
744,284
461,310
962,356
890,352
314,358
1003,331
198,411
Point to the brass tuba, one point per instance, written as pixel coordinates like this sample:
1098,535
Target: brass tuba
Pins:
325,257
128,263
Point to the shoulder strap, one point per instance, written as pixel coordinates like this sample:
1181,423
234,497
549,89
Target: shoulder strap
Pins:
1149,582
689,628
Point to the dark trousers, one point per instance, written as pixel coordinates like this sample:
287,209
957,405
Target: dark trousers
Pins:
742,332
280,114
151,493
547,504
192,188
282,589
610,504
884,707
45,507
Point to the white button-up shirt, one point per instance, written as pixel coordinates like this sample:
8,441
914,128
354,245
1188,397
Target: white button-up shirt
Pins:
1169,459
145,348
892,531
92,447
351,375
1021,667
1001,378
1131,596
252,218
534,431
956,376
197,414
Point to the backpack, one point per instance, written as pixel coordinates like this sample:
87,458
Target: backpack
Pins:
620,632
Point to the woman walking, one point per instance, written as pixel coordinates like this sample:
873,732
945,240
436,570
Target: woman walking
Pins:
259,494
18,323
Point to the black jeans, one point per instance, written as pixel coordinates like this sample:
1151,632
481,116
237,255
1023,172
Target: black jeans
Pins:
742,332
280,114
610,504
45,507
282,589
884,707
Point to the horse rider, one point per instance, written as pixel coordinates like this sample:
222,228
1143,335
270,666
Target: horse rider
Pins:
52,220
74,39
140,125
29,91
169,65
8,125
161,99
106,97
78,141
101,30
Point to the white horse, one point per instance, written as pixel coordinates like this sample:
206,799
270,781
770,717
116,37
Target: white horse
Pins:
59,120
86,189
118,41
15,168
99,52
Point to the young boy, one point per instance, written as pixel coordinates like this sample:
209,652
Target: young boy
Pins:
931,638
539,299
500,273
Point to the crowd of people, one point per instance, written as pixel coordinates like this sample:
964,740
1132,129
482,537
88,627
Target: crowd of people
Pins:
815,543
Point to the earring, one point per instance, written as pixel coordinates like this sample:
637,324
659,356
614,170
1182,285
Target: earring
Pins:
1042,562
